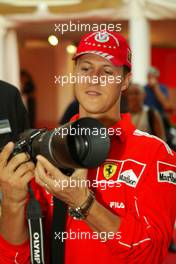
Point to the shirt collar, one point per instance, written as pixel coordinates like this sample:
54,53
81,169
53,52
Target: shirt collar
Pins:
124,126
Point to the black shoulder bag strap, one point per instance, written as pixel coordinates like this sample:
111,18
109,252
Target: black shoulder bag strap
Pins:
34,218
58,227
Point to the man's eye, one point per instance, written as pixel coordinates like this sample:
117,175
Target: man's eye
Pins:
108,71
84,69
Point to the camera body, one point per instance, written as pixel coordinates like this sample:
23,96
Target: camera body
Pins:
25,143
67,151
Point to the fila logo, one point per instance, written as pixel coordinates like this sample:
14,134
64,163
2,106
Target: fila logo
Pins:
117,205
166,172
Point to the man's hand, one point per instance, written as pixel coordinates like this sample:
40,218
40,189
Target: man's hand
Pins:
99,219
14,175
153,82
14,178
72,190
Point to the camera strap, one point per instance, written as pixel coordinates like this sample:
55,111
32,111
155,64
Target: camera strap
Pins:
58,227
34,218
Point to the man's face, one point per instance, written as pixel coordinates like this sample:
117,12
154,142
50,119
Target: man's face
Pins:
152,79
98,97
135,97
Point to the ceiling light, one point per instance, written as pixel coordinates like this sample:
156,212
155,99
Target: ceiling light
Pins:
71,49
53,40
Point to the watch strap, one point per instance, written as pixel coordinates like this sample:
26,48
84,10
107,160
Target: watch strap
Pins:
82,211
86,206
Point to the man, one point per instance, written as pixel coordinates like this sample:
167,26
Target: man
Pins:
129,221
28,91
13,115
157,94
143,117
157,97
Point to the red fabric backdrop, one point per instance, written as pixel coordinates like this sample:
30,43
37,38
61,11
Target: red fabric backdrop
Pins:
165,60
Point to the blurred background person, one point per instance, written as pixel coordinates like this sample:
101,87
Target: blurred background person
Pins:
144,117
157,95
28,91
13,114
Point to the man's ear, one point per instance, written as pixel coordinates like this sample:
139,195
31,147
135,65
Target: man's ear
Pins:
126,81
74,67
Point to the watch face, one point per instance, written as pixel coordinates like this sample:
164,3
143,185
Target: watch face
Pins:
76,213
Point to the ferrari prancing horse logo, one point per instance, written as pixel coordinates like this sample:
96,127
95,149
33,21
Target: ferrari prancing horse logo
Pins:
109,170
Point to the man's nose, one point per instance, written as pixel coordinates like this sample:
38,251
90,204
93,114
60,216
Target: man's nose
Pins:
96,74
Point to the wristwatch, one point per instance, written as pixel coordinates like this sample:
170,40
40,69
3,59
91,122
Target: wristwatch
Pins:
80,213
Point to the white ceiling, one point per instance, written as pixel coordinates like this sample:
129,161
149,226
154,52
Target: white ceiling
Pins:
33,24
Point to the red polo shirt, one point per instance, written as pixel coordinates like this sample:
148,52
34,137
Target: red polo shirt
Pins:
137,183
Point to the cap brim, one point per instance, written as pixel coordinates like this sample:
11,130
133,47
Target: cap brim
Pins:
103,55
95,53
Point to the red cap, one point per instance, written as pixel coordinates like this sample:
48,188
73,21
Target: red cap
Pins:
107,44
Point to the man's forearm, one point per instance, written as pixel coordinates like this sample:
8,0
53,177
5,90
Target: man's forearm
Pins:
13,226
101,219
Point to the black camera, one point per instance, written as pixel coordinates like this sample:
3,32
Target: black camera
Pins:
79,144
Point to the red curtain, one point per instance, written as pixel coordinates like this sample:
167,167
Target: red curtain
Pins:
165,60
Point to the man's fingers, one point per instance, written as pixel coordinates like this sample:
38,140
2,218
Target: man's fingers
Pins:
5,154
80,173
80,176
24,168
38,179
49,167
42,175
17,160
27,177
